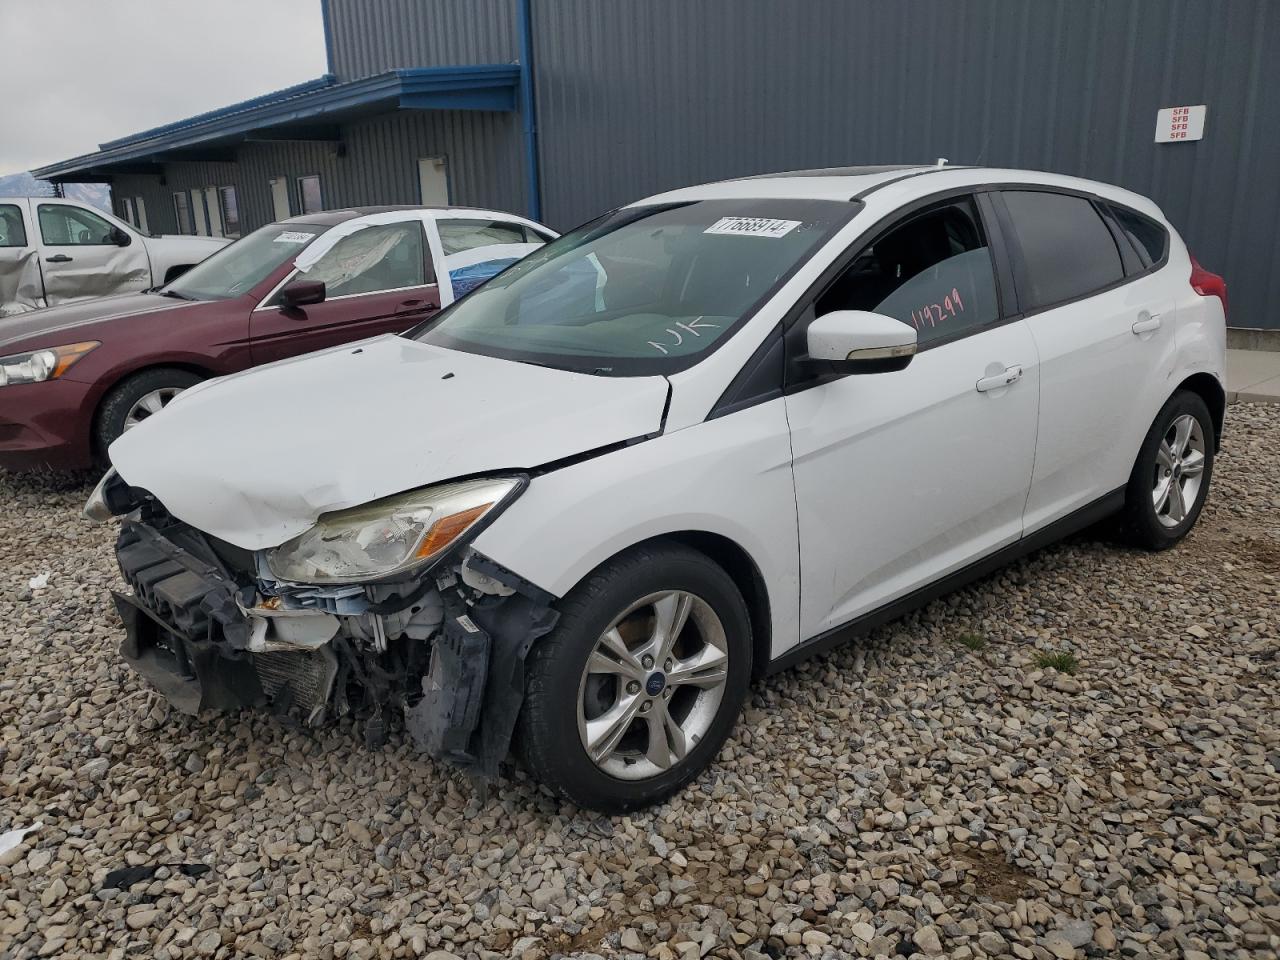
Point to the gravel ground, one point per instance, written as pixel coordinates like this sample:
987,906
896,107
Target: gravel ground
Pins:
936,789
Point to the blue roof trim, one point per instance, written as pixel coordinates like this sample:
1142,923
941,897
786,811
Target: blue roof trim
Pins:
276,96
490,87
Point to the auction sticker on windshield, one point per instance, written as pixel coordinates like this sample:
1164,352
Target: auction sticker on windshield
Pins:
293,236
753,226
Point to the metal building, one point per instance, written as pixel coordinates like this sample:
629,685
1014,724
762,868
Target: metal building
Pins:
565,108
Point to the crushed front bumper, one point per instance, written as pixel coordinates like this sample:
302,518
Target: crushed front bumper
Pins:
187,634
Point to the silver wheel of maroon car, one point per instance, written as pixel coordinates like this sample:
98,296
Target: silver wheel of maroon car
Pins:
136,398
633,693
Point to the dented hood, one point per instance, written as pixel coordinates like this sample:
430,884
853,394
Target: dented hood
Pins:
256,458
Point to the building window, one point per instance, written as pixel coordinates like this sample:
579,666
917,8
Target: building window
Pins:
309,194
134,210
230,211
182,212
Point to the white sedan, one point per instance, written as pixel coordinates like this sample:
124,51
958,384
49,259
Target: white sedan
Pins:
687,444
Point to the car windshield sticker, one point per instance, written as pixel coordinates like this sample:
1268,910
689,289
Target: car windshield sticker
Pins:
292,236
753,227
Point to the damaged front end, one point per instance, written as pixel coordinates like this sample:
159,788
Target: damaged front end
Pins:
441,640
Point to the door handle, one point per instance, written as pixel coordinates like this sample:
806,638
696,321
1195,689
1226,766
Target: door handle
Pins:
1010,374
408,306
60,258
1147,324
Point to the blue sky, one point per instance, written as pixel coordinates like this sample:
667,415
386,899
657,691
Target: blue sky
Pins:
83,71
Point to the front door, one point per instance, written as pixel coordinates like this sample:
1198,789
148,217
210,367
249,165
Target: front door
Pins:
81,256
902,478
377,280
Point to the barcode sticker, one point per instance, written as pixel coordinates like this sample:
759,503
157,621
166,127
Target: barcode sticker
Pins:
753,227
468,624
293,236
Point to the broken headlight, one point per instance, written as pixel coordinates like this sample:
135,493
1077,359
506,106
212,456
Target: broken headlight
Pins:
390,535
41,365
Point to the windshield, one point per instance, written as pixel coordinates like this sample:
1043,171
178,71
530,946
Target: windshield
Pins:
641,291
240,266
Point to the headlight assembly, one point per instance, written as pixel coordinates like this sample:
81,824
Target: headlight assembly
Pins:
40,365
388,536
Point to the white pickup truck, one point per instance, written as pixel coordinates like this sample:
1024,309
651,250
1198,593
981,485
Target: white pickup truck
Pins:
54,251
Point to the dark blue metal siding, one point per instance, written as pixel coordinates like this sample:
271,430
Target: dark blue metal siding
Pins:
372,36
634,98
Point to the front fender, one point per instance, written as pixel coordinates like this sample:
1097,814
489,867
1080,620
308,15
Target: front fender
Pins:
730,476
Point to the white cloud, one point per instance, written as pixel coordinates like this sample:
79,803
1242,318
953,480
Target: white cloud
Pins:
81,72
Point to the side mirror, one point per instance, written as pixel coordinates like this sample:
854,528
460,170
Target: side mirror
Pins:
301,293
855,341
120,238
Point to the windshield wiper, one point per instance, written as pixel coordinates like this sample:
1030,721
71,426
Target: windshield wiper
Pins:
175,295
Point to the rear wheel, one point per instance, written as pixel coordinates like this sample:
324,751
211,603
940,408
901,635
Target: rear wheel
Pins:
135,399
1170,479
642,680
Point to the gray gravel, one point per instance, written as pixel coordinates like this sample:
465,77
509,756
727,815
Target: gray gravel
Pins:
932,790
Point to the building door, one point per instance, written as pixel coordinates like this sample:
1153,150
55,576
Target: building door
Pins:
198,218
213,211
280,199
433,181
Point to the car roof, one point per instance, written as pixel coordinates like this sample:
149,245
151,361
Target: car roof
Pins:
901,182
329,218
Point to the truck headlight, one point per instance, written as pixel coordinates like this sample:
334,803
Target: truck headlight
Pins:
40,365
388,536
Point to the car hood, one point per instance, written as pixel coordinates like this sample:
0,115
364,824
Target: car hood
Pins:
256,458
70,322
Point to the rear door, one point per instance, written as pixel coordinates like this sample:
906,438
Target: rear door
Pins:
21,288
84,254
470,250
1103,328
378,279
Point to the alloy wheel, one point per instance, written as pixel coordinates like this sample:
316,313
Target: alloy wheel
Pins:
1179,471
653,684
150,404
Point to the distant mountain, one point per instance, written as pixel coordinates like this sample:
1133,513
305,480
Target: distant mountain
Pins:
25,185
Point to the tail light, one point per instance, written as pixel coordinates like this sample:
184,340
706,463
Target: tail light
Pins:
1208,284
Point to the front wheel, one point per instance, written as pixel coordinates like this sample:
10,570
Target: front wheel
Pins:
634,692
135,399
1170,480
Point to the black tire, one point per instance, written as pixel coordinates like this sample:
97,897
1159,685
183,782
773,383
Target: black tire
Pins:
122,397
1141,525
548,736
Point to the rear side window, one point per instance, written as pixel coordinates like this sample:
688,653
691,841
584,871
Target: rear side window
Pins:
933,271
12,231
459,235
1149,238
1067,250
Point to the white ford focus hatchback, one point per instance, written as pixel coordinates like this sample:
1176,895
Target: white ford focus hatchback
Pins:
685,445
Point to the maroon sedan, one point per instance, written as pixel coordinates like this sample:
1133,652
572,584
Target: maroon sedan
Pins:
73,378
